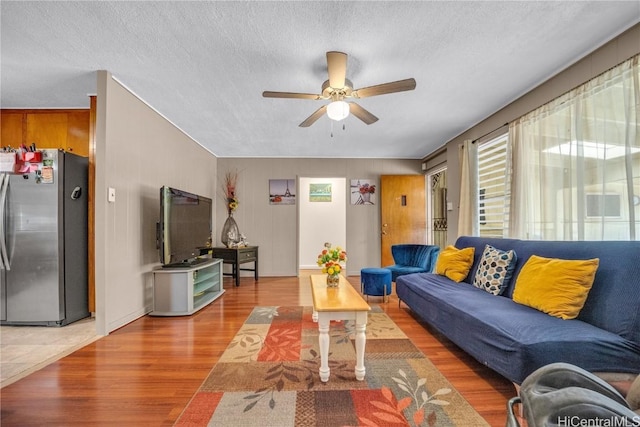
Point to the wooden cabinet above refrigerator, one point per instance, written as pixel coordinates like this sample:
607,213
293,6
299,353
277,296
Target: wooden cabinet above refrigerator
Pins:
62,129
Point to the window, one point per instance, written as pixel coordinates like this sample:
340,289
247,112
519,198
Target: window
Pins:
578,162
493,189
568,170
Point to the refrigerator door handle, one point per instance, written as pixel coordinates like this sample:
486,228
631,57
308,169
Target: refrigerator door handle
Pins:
4,258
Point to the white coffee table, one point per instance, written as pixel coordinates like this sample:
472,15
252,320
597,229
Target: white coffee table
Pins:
341,303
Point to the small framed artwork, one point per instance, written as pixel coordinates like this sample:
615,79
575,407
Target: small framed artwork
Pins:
363,192
320,192
282,191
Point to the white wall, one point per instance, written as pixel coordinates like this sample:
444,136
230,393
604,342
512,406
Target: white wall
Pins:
321,222
137,151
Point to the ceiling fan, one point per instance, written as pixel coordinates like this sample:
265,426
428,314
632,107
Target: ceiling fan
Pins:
338,88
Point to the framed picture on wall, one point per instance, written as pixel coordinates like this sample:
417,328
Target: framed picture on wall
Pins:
320,192
363,192
282,191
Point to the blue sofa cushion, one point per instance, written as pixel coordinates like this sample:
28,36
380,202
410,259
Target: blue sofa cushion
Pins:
612,303
400,270
512,339
495,270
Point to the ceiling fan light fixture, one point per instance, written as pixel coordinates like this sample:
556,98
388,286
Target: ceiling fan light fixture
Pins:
337,88
338,110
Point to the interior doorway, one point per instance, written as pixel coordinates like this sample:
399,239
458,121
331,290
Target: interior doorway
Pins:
437,207
322,217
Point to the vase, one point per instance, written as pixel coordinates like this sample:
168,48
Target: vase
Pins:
333,280
230,235
366,198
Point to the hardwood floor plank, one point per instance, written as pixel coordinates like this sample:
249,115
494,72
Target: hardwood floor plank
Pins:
146,372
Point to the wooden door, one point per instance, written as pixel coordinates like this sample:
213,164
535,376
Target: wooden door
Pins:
403,212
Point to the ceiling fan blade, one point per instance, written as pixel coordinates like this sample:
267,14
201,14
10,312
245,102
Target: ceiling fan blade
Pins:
399,86
337,67
268,94
362,114
312,118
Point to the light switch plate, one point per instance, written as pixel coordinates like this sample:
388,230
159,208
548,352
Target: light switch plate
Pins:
111,196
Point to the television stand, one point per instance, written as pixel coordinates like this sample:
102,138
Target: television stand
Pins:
182,291
187,264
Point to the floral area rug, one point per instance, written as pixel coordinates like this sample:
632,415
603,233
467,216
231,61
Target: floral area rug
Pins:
268,376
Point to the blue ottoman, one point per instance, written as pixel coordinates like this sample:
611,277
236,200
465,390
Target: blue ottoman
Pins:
375,282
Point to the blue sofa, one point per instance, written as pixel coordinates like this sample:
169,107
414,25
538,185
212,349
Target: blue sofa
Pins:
515,340
412,258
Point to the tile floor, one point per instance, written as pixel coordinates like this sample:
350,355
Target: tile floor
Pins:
25,349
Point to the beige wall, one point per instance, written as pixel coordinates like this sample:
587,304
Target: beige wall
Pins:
274,228
137,151
611,54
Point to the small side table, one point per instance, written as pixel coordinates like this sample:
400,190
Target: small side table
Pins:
237,256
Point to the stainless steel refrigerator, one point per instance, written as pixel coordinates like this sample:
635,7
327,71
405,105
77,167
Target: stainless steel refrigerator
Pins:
43,242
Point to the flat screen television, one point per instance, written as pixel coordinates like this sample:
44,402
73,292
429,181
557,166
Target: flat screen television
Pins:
184,228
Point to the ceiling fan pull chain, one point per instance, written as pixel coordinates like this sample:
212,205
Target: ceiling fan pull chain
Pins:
331,128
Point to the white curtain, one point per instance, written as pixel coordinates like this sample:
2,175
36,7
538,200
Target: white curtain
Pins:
576,162
468,211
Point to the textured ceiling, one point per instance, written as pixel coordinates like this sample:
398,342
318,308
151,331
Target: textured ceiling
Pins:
204,65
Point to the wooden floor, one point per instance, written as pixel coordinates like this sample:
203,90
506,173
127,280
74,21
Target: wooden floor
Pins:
146,372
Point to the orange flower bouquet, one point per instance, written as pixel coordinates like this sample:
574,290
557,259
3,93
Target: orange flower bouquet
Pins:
330,260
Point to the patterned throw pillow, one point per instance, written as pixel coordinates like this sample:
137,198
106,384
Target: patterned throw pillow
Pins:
495,270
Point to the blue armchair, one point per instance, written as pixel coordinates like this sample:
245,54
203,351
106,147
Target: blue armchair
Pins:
411,258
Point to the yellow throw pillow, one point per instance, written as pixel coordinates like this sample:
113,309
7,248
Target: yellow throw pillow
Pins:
558,287
455,263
